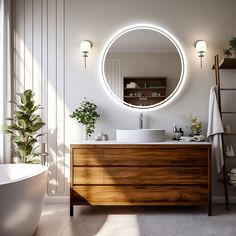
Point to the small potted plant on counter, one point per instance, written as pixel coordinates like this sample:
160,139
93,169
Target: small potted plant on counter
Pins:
227,53
232,47
193,124
24,128
232,44
86,115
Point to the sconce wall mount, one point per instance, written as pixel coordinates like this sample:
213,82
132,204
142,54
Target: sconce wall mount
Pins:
201,49
85,48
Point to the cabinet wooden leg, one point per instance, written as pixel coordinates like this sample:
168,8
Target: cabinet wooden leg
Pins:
210,209
71,210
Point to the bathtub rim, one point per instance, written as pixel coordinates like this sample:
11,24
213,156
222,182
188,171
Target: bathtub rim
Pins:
41,169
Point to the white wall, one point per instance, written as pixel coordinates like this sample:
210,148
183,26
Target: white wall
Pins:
65,82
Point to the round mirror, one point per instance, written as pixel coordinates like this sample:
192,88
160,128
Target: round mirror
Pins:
143,67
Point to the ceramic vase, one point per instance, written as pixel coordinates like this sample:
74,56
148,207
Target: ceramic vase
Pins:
84,133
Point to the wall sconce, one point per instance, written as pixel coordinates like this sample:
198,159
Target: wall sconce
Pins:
200,49
85,47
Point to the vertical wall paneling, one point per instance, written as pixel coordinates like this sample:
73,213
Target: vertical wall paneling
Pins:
114,79
60,97
6,65
1,80
40,65
36,50
19,51
52,86
2,84
28,45
44,67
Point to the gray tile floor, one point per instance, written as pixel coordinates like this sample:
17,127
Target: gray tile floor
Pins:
136,221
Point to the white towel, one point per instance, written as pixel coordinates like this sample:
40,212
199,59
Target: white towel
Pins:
186,139
231,175
232,178
233,171
199,138
232,182
215,128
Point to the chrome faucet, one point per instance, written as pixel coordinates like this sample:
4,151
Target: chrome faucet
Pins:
141,121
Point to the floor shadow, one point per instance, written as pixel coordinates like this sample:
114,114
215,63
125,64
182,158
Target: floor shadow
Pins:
87,220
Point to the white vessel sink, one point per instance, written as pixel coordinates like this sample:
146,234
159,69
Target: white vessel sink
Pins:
140,135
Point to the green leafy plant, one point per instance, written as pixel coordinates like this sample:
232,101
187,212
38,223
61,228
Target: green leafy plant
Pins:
227,52
232,43
232,47
87,115
24,128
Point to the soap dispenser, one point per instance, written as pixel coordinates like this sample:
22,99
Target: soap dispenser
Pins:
175,128
175,131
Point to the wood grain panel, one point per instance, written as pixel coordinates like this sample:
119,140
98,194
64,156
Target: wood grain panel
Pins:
88,175
87,157
155,175
139,195
165,157
140,174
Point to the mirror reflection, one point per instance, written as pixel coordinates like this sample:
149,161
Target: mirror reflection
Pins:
142,67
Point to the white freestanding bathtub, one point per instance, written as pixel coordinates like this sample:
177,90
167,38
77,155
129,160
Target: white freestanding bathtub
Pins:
22,191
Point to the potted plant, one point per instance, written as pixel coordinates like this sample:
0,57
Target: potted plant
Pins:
227,53
193,124
232,44
24,128
87,115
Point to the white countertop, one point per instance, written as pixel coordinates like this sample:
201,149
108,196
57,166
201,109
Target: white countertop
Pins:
112,142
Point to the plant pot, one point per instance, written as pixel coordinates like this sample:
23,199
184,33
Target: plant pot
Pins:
16,160
84,133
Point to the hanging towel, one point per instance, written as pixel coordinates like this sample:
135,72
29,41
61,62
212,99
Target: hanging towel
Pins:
233,171
215,128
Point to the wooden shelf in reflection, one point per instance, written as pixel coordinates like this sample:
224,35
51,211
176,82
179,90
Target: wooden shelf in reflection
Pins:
149,97
148,90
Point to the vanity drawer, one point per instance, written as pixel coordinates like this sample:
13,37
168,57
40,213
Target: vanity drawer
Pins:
140,195
88,175
87,157
159,157
155,175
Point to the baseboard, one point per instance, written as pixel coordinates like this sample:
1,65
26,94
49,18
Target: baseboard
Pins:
221,199
57,199
66,199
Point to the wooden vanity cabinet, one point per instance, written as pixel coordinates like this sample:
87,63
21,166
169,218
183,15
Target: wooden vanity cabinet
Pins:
144,174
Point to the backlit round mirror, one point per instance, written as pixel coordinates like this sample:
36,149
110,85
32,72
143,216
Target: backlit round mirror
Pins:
143,67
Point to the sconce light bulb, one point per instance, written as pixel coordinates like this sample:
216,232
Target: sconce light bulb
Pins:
201,49
85,47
